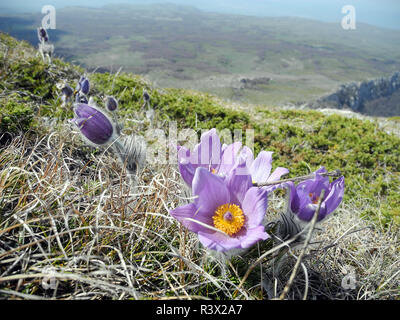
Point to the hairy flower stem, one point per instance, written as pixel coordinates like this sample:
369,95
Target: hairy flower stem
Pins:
306,243
131,153
335,173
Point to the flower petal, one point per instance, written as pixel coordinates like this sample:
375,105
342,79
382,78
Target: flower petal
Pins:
182,153
211,190
248,155
218,241
221,242
208,152
261,167
306,213
335,196
313,186
239,182
93,124
255,205
252,236
277,174
229,158
189,211
294,201
187,171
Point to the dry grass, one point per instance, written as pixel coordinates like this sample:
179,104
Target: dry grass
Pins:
350,258
72,227
64,208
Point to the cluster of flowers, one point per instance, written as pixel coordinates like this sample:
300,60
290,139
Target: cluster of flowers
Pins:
100,127
79,94
229,206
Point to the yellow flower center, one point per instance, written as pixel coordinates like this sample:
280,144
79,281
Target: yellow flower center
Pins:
229,218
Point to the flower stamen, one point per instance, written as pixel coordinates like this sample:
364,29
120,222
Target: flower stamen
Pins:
314,198
229,218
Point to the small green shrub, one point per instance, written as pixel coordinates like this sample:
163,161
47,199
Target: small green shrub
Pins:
368,157
33,75
15,117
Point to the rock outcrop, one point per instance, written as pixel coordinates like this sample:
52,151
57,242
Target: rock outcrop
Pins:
246,83
356,96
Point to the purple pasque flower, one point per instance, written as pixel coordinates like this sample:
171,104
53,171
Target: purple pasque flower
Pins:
146,96
67,93
111,104
304,197
94,125
227,213
220,160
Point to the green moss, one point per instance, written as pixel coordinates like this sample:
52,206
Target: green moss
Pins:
397,119
15,117
32,75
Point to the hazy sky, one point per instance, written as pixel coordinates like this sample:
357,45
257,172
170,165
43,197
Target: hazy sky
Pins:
385,13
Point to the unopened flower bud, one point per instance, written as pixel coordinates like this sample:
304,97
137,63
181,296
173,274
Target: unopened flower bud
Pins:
146,96
83,85
42,34
67,91
132,152
111,104
93,124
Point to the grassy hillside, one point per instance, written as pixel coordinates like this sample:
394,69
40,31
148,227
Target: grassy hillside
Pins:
74,209
178,46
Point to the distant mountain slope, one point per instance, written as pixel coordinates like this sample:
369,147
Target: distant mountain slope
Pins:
182,47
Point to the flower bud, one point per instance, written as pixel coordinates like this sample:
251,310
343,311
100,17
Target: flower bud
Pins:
83,85
94,125
146,96
42,34
132,152
67,91
111,104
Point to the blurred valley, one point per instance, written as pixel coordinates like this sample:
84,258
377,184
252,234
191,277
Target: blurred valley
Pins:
258,60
